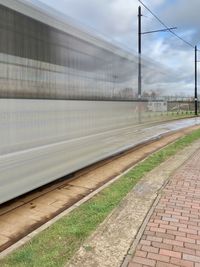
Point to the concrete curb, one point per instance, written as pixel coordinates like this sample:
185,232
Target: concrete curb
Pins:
140,233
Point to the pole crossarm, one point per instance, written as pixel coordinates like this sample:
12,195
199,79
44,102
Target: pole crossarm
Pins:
161,30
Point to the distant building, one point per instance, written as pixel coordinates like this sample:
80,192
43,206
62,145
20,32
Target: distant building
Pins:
157,106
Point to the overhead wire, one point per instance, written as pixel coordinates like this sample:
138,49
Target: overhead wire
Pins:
167,28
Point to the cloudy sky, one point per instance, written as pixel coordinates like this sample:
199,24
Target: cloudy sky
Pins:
117,20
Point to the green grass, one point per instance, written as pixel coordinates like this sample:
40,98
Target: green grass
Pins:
57,244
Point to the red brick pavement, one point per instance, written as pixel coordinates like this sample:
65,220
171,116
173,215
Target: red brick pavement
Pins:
172,236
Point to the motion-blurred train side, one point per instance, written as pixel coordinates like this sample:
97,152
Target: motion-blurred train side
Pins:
66,98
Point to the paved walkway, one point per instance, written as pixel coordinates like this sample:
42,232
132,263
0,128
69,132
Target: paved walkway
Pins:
172,235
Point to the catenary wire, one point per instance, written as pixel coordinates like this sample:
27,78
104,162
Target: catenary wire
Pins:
176,35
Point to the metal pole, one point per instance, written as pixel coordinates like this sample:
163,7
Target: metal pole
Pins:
195,91
139,52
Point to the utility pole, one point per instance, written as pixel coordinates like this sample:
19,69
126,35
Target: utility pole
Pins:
139,51
195,89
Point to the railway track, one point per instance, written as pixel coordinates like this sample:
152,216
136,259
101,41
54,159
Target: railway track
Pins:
20,217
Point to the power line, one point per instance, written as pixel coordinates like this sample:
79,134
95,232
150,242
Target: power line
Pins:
167,28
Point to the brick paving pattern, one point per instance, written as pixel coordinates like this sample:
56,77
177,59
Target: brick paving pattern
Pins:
172,235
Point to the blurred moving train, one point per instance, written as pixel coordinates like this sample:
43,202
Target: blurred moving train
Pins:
67,98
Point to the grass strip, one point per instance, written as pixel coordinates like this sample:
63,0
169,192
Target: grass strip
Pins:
56,245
